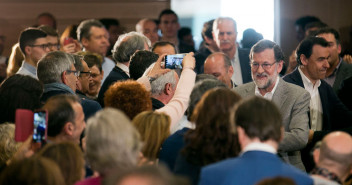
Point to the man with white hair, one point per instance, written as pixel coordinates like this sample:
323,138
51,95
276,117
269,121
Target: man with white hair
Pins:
124,48
225,34
163,89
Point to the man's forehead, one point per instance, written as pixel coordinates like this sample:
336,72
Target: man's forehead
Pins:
320,50
168,17
41,41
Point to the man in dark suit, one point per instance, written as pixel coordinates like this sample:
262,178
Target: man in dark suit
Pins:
327,112
259,137
339,70
225,34
124,48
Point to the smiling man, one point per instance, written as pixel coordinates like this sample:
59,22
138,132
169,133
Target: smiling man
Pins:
225,35
326,111
266,64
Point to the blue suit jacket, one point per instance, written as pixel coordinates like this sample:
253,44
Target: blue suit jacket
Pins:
335,114
249,168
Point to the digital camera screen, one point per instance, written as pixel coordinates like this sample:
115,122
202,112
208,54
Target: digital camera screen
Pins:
174,61
39,126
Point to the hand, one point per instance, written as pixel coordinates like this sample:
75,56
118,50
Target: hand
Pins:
310,137
348,59
157,70
72,47
189,61
27,149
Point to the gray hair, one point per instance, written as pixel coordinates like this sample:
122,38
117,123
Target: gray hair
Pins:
128,44
112,141
78,62
158,85
216,22
52,65
83,29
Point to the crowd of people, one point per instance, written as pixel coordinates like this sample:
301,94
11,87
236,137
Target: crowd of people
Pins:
234,114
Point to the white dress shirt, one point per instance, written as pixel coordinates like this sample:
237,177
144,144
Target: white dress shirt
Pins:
268,95
237,73
315,108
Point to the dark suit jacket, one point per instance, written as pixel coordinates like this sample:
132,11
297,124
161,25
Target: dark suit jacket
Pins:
249,168
117,74
171,147
90,107
344,72
335,113
243,54
345,93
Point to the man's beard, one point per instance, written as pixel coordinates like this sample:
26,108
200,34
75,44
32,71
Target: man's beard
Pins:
265,83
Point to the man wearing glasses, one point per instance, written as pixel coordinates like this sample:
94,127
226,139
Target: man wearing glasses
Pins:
82,85
293,101
34,45
57,72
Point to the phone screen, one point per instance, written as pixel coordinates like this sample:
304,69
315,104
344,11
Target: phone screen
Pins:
174,61
39,123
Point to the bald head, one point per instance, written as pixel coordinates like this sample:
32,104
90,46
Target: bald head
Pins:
336,153
148,28
219,65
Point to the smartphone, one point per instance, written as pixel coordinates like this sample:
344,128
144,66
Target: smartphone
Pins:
174,61
68,40
40,124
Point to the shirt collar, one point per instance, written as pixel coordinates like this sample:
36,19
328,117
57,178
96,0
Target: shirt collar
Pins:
123,67
256,146
306,82
268,95
30,68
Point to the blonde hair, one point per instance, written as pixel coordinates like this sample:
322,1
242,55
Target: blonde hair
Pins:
8,146
154,129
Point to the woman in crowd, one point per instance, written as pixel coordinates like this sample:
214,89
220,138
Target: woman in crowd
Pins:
69,158
214,138
154,128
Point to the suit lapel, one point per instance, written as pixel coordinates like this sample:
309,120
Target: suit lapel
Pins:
280,94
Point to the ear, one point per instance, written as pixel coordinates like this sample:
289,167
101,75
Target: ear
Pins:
241,135
230,71
27,50
280,66
64,78
102,74
303,59
85,42
69,128
316,155
168,89
339,48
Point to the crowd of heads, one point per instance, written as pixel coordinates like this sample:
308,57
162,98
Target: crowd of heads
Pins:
121,140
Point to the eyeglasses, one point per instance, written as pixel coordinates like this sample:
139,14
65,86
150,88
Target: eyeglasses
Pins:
45,46
88,72
76,73
94,75
265,66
